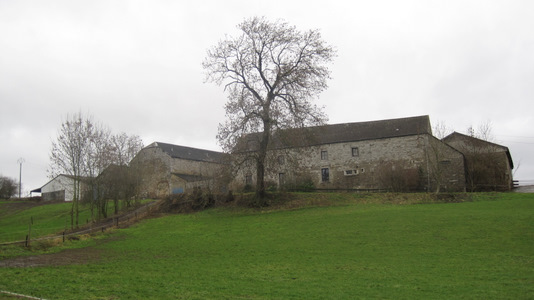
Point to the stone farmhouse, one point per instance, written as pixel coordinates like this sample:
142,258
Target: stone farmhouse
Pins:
397,154
385,155
488,165
167,169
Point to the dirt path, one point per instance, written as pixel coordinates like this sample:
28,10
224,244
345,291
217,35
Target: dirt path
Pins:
67,257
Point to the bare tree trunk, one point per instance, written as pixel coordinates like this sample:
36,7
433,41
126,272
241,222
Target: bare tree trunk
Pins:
76,200
72,215
260,179
260,175
116,204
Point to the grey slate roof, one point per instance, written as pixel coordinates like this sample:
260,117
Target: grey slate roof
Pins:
477,142
372,130
188,153
348,132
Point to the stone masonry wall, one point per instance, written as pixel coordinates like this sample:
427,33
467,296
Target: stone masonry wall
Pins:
153,166
373,164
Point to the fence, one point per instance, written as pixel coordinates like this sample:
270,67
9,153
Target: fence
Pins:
100,227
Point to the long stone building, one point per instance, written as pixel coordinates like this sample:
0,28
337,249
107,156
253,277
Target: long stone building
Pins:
167,169
397,154
393,155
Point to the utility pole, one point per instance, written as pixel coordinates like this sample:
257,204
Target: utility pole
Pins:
20,161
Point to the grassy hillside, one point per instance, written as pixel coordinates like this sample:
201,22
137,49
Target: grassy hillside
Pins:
15,217
362,249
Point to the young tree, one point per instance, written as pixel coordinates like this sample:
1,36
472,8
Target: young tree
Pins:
441,130
69,155
121,180
483,132
271,72
83,150
125,147
8,187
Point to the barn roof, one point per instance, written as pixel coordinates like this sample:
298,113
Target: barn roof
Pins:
372,130
347,132
82,178
176,151
477,142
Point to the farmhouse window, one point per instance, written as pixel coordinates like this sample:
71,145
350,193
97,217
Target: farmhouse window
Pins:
281,160
324,155
355,151
325,174
281,179
350,172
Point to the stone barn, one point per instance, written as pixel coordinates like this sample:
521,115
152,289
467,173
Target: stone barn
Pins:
166,169
488,165
396,155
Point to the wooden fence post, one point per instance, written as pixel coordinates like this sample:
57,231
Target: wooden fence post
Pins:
29,236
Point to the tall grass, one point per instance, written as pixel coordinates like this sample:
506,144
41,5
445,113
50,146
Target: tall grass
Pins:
476,250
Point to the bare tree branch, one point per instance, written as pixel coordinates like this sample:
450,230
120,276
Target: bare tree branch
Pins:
271,72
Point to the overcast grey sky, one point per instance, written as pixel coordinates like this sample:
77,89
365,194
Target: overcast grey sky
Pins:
135,66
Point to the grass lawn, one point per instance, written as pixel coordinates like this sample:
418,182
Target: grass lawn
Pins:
476,250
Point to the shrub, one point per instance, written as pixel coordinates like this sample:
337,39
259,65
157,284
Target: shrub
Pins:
305,185
248,188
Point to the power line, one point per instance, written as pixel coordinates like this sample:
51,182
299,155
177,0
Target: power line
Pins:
515,136
508,141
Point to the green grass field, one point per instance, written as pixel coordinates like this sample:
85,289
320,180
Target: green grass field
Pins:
47,219
475,250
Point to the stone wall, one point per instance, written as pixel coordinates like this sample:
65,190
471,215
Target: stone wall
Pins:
446,167
488,165
153,167
156,169
383,164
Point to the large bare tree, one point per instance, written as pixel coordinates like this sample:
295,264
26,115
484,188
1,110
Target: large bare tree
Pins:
271,72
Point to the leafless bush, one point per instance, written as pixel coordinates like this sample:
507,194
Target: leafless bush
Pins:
398,177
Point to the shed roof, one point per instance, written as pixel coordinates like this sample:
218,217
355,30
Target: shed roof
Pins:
176,151
456,136
82,178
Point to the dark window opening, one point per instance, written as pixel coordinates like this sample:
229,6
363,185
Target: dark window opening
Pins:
325,174
281,179
248,179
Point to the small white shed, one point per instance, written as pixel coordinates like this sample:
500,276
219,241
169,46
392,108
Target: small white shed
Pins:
61,188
